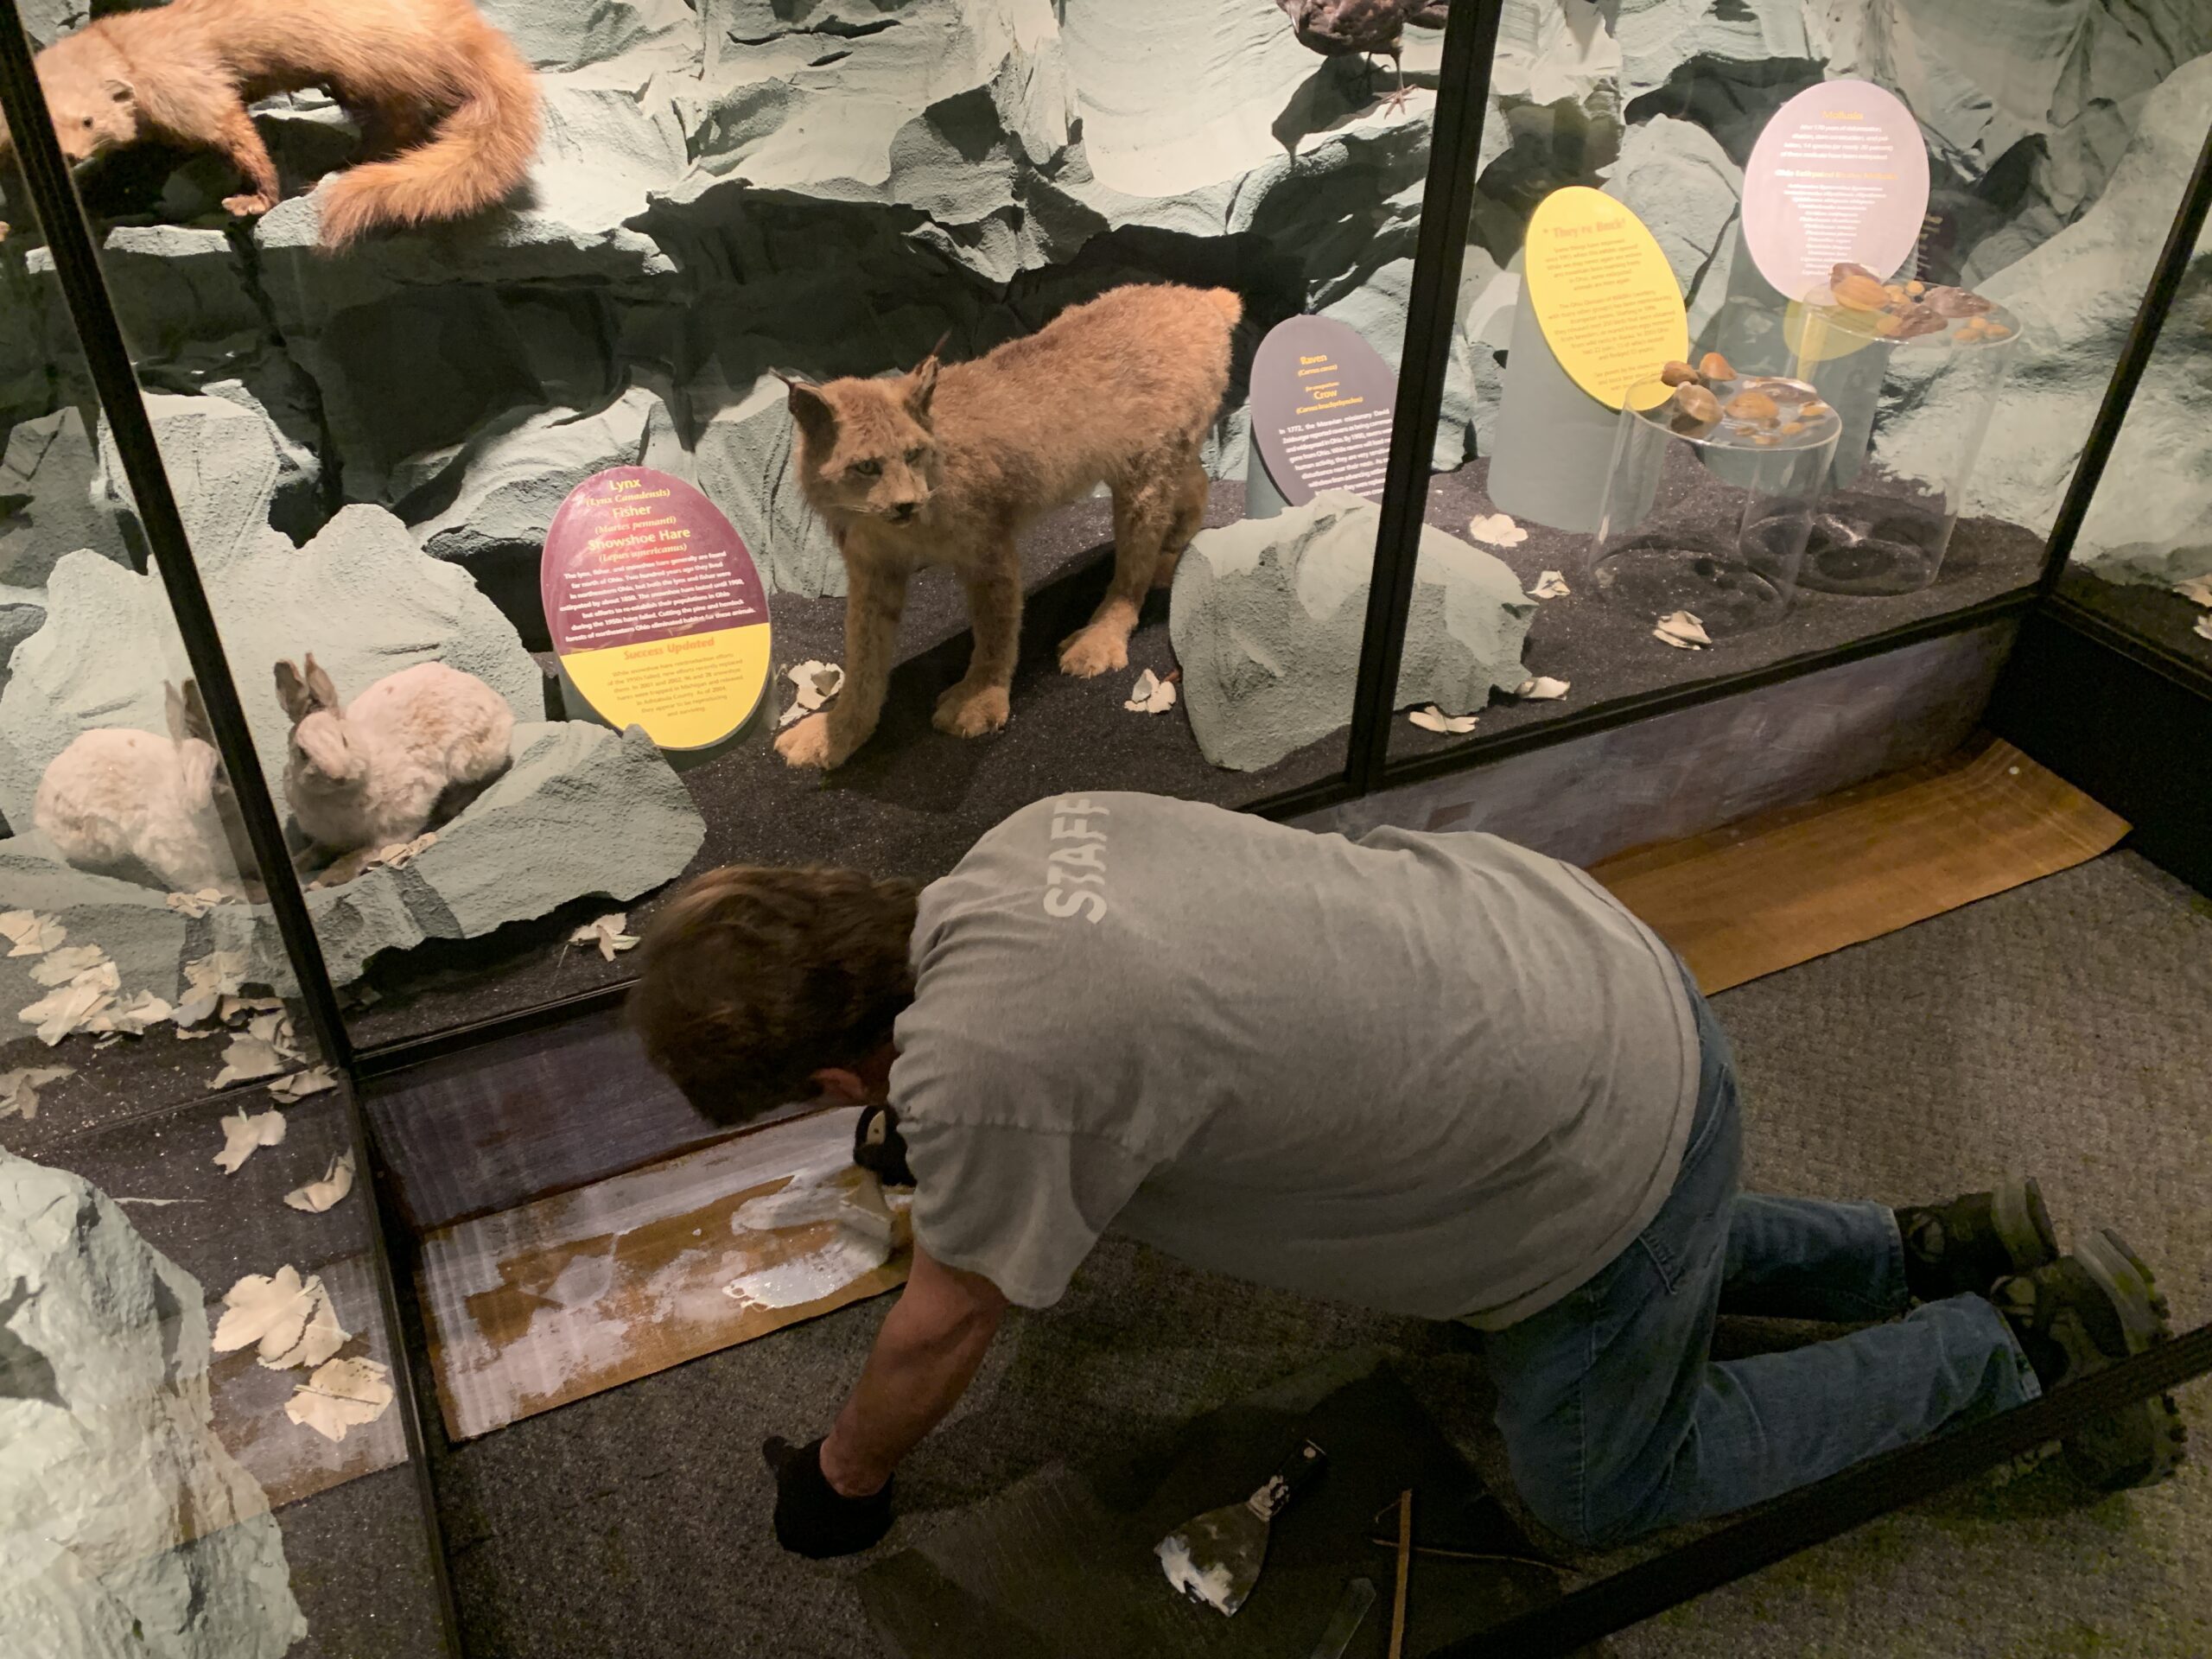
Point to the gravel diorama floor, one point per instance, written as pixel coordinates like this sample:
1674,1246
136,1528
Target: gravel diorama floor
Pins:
913,799
357,1554
2158,616
2054,1029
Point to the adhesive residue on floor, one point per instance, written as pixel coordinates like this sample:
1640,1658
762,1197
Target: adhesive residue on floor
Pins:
556,1300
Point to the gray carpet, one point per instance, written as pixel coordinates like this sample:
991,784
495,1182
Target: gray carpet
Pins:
2057,1029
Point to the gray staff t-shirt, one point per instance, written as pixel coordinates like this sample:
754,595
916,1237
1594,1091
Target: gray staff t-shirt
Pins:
1436,1075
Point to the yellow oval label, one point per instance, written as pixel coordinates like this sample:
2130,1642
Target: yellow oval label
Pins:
1603,294
655,608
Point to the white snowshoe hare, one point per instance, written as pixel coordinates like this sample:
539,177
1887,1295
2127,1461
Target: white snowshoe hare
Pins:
116,796
411,751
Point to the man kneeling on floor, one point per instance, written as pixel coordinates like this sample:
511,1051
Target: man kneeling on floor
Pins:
1435,1075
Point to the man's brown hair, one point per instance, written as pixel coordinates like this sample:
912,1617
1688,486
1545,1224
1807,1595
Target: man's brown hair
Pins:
753,979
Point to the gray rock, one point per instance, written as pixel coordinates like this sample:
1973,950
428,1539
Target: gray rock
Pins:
1266,619
1681,184
127,1528
49,503
2076,296
509,481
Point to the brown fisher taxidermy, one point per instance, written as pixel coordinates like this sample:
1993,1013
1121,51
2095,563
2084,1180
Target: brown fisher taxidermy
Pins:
448,111
948,464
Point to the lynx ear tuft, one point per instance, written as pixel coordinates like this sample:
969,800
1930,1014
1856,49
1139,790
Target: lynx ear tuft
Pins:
118,91
817,419
921,384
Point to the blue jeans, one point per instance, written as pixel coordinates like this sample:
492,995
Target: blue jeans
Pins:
1617,1419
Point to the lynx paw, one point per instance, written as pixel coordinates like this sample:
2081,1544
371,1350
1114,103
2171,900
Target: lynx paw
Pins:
810,744
967,711
1094,651
248,207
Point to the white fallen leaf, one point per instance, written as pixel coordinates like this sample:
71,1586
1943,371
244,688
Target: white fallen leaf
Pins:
229,1008
344,1394
816,682
131,1018
318,1196
244,1132
31,933
186,1035
1550,585
196,904
1682,631
66,1009
316,1080
1542,689
246,1059
2203,629
2197,590
194,1009
106,1041
1498,529
1151,694
161,1203
1434,718
608,933
217,974
276,1030
59,967
401,854
19,1088
292,1321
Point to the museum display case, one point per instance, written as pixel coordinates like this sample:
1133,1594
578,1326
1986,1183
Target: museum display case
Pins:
204,1437
527,513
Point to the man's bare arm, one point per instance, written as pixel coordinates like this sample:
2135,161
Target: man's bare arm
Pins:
923,1358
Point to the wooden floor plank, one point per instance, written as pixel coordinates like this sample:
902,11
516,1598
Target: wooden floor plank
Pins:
1787,887
536,1306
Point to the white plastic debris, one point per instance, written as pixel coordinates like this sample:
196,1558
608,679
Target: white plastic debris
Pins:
344,1394
1550,585
1542,689
1496,529
244,1133
1151,694
19,1088
817,682
1682,631
318,1196
316,1080
291,1321
609,933
29,933
1434,718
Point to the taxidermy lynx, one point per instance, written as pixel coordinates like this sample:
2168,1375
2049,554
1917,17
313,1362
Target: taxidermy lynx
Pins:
947,465
448,109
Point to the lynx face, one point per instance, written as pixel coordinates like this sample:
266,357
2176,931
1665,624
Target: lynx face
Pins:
866,447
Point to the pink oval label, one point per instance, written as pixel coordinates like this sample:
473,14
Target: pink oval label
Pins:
1838,175
655,607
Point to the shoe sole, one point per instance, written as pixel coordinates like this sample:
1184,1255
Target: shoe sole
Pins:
2023,1225
2145,1442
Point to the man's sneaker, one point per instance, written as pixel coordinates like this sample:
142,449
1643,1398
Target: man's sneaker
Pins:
1964,1247
2085,1313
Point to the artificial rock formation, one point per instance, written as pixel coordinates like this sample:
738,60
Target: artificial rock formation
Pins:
126,1528
583,811
1267,617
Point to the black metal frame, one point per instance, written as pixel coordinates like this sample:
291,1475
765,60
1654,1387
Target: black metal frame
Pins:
1809,1517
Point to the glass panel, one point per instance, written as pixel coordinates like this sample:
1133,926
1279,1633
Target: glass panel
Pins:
1964,395
2143,556
382,436
168,1127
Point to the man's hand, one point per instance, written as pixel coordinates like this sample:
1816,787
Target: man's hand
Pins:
925,1357
812,1518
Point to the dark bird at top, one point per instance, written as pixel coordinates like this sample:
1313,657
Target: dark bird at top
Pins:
1339,29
